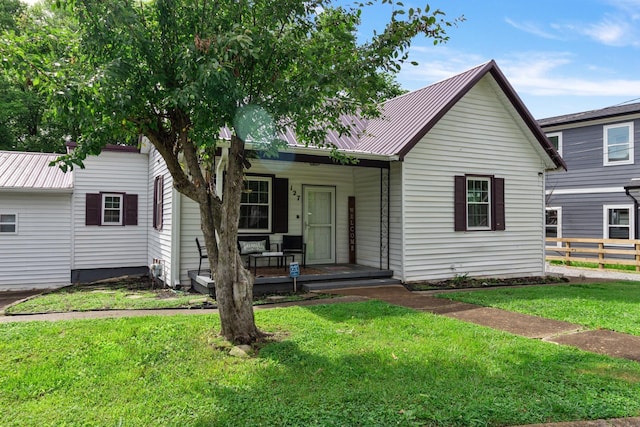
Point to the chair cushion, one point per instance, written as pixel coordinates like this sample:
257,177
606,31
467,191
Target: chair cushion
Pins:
252,247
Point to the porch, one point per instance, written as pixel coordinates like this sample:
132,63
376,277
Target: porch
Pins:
273,280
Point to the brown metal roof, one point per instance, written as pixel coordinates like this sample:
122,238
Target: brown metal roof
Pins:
31,171
406,119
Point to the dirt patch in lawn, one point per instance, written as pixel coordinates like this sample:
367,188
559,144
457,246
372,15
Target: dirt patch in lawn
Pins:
463,282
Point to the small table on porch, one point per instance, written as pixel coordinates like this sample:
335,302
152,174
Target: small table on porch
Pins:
281,257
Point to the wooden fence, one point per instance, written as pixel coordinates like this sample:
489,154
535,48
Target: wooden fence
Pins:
595,251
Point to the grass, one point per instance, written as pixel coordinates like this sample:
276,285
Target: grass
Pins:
610,305
361,364
124,295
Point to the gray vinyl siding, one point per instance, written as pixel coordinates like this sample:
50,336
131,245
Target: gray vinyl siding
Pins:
582,150
582,214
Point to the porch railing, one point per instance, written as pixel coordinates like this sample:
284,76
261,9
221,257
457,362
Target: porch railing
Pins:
594,251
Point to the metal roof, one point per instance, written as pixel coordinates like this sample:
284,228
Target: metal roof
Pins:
602,113
31,171
406,119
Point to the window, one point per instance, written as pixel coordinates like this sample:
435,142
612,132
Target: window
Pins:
158,199
618,144
478,207
553,223
111,209
8,223
556,141
255,204
479,203
618,222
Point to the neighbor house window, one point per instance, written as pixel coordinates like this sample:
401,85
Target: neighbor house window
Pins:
553,223
618,144
556,141
479,203
255,204
158,199
8,223
111,209
618,222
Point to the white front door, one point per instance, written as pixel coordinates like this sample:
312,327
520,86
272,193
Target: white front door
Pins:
320,224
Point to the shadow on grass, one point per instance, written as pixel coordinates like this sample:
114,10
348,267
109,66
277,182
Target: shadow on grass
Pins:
376,364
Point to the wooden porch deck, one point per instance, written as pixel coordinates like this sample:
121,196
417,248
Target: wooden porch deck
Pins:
272,280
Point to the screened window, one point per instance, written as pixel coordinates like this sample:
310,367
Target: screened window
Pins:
618,223
478,203
255,205
618,144
112,209
8,223
158,200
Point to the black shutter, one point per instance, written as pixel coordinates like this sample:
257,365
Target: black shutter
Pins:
460,200
280,207
158,201
498,204
130,209
93,209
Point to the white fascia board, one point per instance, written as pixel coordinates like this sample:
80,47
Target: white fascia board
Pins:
594,190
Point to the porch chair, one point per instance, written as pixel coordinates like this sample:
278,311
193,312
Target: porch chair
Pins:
202,256
295,245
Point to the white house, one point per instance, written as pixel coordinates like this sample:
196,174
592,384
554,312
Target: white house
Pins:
450,181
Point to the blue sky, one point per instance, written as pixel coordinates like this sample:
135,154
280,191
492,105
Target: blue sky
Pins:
561,56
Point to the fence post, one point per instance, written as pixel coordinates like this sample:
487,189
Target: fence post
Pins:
567,254
637,246
601,256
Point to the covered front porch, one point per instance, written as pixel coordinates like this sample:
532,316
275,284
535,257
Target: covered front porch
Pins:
276,280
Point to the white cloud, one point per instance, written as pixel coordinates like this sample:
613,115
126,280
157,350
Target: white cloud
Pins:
531,28
610,31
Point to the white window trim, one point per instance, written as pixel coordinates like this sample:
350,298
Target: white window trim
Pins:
559,135
605,220
559,225
270,183
103,207
605,152
489,202
15,214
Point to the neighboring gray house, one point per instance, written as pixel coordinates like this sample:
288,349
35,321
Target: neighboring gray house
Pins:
589,200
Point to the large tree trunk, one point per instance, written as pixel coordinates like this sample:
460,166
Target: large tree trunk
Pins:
234,283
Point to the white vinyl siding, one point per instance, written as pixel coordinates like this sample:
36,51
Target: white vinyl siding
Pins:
396,221
39,255
367,190
112,247
618,144
160,241
298,174
481,135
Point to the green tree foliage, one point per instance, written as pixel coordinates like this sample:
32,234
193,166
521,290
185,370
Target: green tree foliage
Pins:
35,43
182,71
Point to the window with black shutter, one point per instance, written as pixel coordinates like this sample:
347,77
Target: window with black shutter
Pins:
479,203
111,209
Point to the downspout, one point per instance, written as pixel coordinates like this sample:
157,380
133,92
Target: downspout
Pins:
635,213
176,229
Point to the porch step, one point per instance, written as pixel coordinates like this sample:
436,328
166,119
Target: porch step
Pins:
353,283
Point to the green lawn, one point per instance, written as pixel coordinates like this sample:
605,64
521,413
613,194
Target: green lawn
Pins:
609,305
360,364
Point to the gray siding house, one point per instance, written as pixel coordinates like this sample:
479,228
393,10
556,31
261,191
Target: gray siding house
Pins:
589,200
